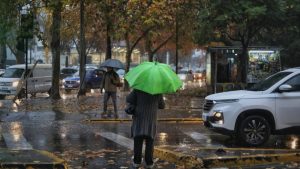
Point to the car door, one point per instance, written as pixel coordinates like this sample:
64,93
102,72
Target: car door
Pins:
288,104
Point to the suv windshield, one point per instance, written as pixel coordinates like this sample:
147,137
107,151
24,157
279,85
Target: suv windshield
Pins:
268,82
13,73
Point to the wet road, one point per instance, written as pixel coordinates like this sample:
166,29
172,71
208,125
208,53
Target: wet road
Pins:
108,144
94,145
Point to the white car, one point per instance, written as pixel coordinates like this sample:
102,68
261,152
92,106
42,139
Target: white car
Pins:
271,106
13,80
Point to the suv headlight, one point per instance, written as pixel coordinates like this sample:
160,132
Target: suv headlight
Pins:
15,84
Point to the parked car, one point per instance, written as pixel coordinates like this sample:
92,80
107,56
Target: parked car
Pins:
67,71
39,80
2,72
269,107
93,78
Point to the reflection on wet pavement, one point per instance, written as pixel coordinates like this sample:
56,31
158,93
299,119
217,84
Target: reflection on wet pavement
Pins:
58,127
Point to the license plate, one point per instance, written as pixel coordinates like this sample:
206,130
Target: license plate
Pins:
70,86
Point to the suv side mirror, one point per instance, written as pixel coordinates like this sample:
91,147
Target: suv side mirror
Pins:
285,88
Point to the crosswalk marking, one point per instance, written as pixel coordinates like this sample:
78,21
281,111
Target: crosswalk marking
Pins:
202,138
16,141
121,140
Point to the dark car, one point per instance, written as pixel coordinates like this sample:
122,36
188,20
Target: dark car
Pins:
67,71
93,78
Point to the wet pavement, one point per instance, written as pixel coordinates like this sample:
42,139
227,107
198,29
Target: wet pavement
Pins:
62,128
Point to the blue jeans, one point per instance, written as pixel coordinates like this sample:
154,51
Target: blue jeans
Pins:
138,147
107,95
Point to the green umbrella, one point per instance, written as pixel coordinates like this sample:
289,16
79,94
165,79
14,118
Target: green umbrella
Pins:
153,78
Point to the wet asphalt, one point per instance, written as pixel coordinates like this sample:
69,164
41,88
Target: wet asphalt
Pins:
63,130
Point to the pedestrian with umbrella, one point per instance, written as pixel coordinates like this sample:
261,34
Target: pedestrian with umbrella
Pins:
149,81
109,83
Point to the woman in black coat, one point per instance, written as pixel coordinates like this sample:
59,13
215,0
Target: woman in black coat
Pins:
144,124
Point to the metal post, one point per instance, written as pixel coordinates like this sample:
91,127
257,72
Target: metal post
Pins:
177,45
30,54
26,65
215,74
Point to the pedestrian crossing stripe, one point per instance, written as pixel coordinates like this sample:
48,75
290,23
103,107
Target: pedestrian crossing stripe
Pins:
203,138
121,140
16,141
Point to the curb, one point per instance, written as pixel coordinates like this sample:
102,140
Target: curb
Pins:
30,159
189,162
193,162
160,120
259,159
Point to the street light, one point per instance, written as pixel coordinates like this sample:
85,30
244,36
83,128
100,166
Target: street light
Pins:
26,33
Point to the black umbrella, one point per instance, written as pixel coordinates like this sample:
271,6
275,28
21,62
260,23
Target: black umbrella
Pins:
114,63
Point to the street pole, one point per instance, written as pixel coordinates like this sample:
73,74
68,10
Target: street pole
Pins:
26,65
176,52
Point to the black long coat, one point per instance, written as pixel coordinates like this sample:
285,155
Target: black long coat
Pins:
145,118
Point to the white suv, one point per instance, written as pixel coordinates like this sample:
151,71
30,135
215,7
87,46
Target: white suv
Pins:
271,106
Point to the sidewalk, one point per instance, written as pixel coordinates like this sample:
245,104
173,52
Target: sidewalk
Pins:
210,157
187,107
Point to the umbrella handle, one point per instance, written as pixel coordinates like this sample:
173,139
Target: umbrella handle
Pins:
155,59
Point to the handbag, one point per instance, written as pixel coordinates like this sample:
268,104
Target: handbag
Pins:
130,109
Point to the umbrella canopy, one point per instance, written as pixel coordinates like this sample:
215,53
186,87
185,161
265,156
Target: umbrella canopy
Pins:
153,78
114,63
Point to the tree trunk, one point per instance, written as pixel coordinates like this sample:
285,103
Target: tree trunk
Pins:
3,56
149,48
82,88
108,41
55,46
128,59
243,65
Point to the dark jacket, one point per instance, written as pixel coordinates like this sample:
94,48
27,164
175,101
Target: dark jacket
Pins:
109,81
145,118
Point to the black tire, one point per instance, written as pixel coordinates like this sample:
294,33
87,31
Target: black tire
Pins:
2,97
22,94
254,131
49,91
68,91
33,94
88,88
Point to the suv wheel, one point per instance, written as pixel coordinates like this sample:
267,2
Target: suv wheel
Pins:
2,97
254,131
